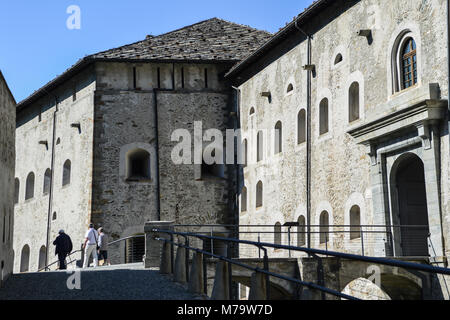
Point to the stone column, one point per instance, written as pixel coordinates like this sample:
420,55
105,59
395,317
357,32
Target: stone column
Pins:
258,287
153,247
196,280
220,290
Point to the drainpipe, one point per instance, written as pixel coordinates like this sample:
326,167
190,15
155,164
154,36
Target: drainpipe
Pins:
52,172
308,138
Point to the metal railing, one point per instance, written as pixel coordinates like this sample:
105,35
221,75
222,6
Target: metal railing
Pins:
191,237
47,268
403,241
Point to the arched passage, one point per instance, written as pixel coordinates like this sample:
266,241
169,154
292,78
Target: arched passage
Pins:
41,262
410,207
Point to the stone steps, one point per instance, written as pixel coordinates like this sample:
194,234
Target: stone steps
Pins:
130,282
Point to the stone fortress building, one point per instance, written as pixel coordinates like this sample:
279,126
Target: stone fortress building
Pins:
94,144
7,160
344,118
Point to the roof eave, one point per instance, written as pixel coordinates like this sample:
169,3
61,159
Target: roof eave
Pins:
278,37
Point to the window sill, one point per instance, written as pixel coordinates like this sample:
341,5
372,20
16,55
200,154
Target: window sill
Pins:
138,180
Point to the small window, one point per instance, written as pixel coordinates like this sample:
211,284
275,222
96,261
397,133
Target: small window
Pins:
252,111
58,141
42,254
290,88
29,192
47,181
409,63
16,190
54,217
338,59
278,137
245,153
138,165
301,231
244,200
66,173
260,146
277,233
353,103
355,223
301,126
324,227
259,194
323,121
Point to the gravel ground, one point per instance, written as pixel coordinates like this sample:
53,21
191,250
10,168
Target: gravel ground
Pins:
131,282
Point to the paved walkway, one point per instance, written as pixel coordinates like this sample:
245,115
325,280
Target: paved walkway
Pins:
130,282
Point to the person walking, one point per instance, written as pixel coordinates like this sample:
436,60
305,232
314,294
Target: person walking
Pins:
90,246
63,247
103,247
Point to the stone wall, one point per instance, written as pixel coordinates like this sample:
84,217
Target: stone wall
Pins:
7,159
340,167
70,204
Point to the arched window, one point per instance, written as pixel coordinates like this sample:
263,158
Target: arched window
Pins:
338,59
324,227
25,259
353,102
259,194
277,233
355,222
278,137
260,146
138,165
42,254
47,181
301,126
66,173
409,63
54,216
301,231
290,88
244,199
29,192
252,111
323,117
16,190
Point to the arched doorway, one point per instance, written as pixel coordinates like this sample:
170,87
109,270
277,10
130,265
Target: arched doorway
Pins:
42,254
411,209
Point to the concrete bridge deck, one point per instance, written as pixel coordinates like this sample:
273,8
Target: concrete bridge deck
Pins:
120,282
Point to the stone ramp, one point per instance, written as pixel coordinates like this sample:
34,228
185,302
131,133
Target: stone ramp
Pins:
131,282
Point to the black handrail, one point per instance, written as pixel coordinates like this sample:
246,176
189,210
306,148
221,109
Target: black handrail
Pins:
81,250
311,252
383,261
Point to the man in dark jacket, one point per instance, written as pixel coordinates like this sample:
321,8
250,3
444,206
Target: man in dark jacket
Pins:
63,245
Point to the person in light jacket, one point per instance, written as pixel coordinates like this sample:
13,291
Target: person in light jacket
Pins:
103,247
90,246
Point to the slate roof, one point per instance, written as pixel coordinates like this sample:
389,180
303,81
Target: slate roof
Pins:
213,40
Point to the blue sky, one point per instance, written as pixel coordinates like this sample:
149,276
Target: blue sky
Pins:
36,45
